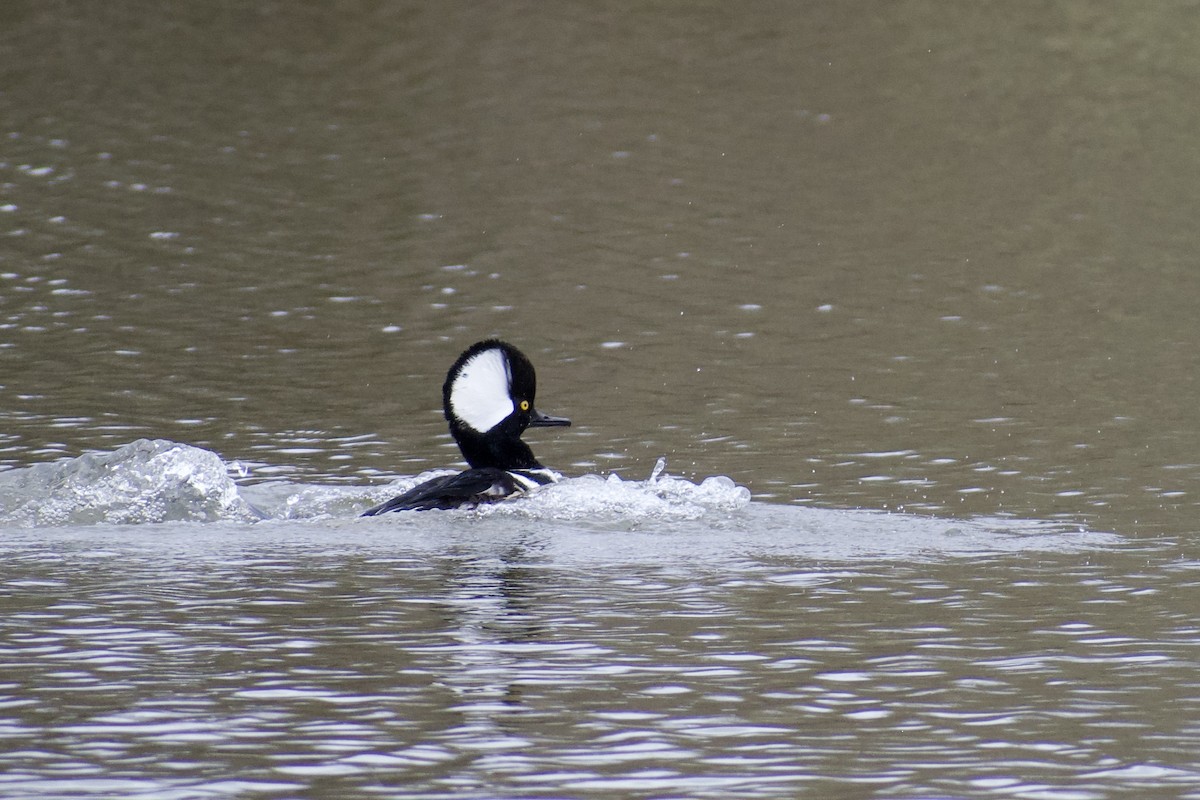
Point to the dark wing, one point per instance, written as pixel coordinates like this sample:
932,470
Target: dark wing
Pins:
451,491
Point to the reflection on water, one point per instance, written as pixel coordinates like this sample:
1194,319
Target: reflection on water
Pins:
495,663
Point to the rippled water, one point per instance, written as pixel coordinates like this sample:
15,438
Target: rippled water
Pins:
855,258
600,638
747,657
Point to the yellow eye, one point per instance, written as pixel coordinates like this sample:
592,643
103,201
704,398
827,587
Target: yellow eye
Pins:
524,405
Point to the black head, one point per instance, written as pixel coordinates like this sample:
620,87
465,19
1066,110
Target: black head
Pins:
488,401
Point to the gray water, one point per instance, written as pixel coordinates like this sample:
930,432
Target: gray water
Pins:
922,277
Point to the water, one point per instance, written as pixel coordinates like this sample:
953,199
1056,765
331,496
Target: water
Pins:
766,652
859,260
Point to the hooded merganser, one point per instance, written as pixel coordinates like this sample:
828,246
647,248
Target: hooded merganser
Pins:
488,400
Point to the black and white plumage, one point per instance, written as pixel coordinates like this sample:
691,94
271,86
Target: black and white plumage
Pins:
488,400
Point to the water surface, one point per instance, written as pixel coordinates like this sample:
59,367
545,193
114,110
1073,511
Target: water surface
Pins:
856,258
497,658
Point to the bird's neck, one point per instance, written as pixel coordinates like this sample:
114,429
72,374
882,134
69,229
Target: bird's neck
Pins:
501,453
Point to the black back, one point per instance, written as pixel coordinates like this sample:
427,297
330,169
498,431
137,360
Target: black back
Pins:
451,491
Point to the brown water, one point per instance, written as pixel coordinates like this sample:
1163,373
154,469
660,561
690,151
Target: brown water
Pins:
928,257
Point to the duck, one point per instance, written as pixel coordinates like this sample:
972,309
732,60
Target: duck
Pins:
488,402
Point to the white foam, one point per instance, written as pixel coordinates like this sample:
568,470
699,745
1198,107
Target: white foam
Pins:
161,481
611,498
603,499
144,481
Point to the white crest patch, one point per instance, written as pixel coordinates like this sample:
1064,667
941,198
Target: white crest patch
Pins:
480,394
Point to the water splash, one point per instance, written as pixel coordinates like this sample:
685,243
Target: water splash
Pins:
149,481
144,481
659,497
286,500
659,467
154,481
